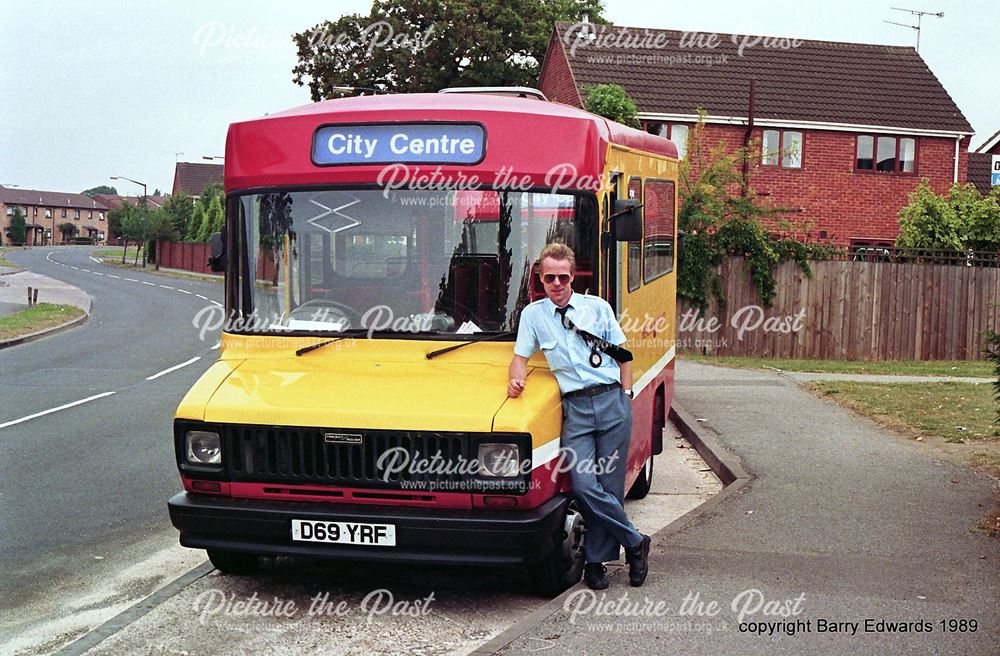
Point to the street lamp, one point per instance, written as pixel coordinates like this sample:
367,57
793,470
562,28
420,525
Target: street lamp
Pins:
211,157
122,177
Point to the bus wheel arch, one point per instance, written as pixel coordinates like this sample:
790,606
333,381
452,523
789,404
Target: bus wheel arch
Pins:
562,566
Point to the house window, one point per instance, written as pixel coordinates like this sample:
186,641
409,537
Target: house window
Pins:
100,216
676,132
658,229
76,214
48,213
886,154
10,211
781,147
63,213
34,211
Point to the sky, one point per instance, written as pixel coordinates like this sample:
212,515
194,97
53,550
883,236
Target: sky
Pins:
98,89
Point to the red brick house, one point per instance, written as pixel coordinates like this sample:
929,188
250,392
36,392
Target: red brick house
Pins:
191,178
981,163
846,130
52,217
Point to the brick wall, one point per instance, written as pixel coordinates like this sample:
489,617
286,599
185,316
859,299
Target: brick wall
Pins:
556,79
834,199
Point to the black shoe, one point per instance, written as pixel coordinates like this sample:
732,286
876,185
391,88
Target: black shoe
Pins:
595,576
638,562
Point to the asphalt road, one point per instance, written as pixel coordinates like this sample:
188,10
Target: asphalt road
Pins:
81,485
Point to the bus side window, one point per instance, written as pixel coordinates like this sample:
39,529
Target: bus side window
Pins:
658,203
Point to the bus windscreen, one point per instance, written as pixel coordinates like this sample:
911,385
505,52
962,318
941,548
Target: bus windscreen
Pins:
412,262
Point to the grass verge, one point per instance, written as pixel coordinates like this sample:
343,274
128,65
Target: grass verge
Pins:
116,251
3,259
964,368
39,317
151,268
954,419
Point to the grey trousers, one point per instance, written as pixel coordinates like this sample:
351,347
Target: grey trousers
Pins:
597,429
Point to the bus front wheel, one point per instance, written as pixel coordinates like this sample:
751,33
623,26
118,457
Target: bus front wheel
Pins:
234,562
562,567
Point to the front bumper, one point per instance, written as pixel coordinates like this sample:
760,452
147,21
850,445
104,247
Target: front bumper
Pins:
423,535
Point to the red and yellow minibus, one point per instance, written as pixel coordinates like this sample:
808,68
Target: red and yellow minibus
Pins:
378,251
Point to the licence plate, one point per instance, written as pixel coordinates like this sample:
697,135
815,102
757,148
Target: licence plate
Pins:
379,535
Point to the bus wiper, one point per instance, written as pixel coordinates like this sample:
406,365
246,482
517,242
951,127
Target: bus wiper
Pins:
313,347
486,338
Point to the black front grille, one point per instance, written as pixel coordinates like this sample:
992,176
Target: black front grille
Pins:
268,454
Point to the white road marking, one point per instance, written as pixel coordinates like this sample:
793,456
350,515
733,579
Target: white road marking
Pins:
111,275
96,260
183,291
131,279
216,303
86,270
51,410
204,298
165,287
98,273
174,368
217,345
75,268
148,283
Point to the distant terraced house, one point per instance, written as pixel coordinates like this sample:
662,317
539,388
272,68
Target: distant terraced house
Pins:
846,130
53,217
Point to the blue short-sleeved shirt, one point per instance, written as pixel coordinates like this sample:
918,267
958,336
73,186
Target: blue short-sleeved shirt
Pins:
566,352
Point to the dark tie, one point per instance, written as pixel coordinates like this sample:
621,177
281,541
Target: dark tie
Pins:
561,311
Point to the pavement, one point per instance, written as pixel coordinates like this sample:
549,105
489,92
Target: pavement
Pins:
841,525
14,291
802,376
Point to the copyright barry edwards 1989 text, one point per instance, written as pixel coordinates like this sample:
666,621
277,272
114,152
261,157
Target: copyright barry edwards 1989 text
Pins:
867,625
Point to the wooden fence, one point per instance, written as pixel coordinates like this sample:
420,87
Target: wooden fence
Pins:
851,311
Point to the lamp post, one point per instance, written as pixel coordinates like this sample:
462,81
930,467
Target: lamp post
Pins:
122,177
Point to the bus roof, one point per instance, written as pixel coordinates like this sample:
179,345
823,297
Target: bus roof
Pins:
530,143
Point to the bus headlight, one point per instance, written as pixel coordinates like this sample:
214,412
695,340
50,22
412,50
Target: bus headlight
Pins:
203,448
499,460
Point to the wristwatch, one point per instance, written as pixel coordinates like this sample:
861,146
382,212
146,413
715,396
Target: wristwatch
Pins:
631,395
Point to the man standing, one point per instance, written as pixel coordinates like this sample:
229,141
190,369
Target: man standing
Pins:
582,342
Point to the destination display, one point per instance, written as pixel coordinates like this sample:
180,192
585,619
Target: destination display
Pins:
423,143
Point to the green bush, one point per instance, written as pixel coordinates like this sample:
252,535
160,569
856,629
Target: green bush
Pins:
960,220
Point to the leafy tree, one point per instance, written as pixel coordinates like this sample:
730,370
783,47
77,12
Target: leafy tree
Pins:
179,209
100,189
195,227
720,215
409,46
960,220
18,227
161,226
214,218
156,192
613,102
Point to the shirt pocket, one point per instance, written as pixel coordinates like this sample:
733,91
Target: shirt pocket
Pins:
554,355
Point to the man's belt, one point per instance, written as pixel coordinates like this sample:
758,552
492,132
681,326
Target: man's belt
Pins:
592,391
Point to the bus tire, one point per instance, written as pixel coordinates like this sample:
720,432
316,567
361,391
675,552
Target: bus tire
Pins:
234,562
562,567
643,482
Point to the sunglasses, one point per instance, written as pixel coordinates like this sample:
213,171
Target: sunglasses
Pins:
549,278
